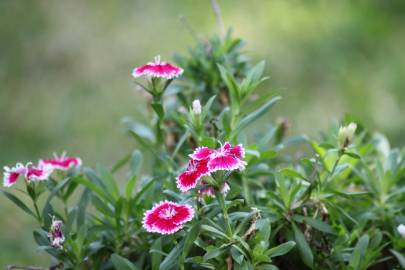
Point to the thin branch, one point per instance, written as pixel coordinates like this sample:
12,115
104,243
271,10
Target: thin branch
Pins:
217,13
187,25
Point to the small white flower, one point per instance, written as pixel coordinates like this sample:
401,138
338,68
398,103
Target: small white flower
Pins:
401,230
196,107
346,134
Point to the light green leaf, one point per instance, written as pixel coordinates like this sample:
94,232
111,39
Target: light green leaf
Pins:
253,116
280,249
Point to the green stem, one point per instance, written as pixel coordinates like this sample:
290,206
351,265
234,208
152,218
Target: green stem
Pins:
221,200
33,197
37,211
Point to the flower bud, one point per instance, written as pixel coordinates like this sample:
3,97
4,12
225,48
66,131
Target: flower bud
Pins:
196,107
401,230
346,134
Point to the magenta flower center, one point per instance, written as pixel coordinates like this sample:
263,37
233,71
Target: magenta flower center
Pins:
167,213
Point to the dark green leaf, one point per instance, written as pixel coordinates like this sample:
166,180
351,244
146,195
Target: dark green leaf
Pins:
400,257
18,202
156,256
158,108
303,247
121,263
109,181
359,252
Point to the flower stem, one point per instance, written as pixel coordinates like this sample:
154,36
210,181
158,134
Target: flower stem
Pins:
221,200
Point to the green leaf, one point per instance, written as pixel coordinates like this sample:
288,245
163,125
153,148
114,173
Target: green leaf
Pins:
253,79
213,253
121,263
172,260
158,108
156,256
207,107
352,155
120,163
81,211
18,202
109,181
315,223
289,172
136,162
253,116
400,258
129,188
190,238
94,188
102,207
359,252
232,86
41,238
236,254
280,250
141,192
141,130
267,267
47,207
214,231
303,247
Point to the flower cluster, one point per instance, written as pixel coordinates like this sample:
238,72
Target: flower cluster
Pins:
55,234
168,217
205,161
42,171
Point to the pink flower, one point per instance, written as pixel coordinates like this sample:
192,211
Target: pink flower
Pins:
167,217
202,153
56,235
227,158
190,177
61,162
204,161
158,69
11,175
33,173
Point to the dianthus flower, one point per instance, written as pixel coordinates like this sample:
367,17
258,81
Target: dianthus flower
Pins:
61,162
11,175
205,161
33,173
190,177
158,69
167,217
55,235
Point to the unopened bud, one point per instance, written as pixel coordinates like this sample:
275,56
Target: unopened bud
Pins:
401,230
196,107
346,134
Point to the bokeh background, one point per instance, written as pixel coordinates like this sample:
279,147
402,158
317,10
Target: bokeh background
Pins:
65,74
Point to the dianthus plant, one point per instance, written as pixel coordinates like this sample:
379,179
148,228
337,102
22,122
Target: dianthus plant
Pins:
214,184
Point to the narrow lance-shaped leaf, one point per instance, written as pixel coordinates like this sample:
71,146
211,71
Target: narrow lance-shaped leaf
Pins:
18,202
122,263
303,247
253,116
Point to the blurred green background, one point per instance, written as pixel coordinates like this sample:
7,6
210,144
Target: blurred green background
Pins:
65,74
